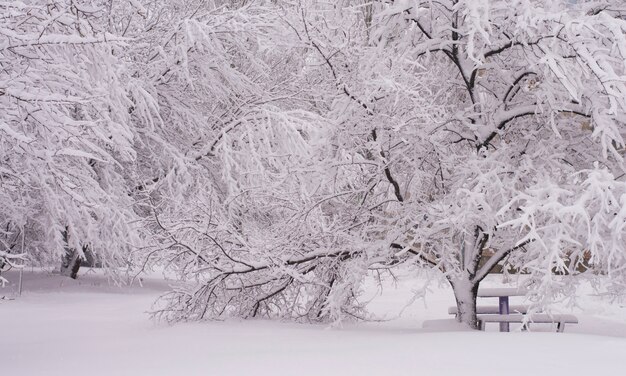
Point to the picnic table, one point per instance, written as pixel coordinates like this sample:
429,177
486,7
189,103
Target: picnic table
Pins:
504,313
503,294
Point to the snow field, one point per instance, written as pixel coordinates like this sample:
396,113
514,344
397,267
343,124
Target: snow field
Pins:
59,326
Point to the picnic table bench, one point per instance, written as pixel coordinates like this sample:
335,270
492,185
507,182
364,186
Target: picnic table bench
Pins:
502,312
537,318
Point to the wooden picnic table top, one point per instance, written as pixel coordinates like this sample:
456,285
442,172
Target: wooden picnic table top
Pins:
495,292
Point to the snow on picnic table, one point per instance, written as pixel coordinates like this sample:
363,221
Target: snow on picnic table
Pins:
61,327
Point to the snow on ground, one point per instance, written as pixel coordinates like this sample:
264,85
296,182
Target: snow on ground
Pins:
60,327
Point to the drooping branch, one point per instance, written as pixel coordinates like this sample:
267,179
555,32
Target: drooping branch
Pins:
505,118
514,85
396,260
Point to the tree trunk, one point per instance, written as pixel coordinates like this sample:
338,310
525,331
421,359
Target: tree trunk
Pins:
71,263
465,294
71,260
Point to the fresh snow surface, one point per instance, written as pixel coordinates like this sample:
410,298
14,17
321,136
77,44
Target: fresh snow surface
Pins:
64,327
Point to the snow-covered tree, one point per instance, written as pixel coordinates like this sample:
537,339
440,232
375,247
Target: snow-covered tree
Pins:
119,111
66,134
500,130
257,129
